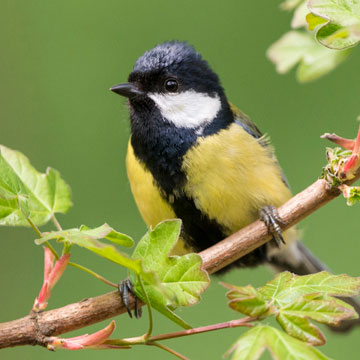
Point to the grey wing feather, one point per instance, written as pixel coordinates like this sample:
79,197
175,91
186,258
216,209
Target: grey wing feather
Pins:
245,122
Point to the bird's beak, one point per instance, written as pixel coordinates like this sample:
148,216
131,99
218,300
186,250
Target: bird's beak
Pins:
128,90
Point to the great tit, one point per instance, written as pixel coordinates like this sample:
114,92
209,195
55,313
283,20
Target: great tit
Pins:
192,155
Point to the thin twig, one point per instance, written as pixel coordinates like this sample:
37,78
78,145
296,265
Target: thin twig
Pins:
38,232
228,324
171,351
56,222
150,329
34,227
49,246
92,273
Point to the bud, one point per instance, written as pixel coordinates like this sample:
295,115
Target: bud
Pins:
92,341
51,276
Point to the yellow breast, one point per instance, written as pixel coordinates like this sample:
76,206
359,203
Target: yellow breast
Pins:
153,208
231,177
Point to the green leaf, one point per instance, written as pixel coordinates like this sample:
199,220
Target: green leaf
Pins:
296,299
181,277
6,195
253,343
250,345
342,22
107,232
272,288
285,289
300,328
324,309
313,21
89,239
246,300
24,190
299,47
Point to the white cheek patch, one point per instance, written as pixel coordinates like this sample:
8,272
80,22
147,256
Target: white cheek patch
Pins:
187,109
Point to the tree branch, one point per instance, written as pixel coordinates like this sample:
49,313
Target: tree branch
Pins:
36,327
254,235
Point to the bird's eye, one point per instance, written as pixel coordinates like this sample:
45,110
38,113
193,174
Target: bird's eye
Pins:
171,85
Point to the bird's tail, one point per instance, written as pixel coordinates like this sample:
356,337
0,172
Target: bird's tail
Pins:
298,259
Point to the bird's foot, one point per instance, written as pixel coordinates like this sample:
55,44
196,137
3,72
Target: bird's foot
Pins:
126,290
272,220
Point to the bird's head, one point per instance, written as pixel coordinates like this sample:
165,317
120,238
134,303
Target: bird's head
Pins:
174,81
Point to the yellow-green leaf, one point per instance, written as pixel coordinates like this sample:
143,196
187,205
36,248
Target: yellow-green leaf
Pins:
314,21
90,239
324,309
26,192
286,287
253,343
300,328
298,47
247,300
341,25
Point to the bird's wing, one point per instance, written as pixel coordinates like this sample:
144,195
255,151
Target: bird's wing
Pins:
245,122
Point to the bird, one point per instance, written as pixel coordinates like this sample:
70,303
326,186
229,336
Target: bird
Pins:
193,155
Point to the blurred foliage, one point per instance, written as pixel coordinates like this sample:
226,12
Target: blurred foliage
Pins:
329,28
58,60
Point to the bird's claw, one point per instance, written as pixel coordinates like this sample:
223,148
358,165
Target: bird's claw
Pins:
126,289
272,220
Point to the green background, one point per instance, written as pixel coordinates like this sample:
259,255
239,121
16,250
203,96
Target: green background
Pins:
57,62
